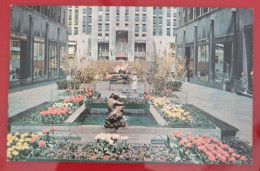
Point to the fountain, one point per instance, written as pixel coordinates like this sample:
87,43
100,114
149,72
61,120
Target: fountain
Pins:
115,118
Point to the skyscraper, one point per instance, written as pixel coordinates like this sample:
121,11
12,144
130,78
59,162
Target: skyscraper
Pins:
127,33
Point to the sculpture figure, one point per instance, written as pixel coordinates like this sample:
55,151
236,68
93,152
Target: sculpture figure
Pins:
115,118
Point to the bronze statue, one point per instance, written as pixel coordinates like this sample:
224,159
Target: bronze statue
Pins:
115,118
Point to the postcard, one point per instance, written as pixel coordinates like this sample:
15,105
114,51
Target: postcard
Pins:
130,84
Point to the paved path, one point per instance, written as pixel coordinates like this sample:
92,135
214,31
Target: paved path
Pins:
229,107
234,109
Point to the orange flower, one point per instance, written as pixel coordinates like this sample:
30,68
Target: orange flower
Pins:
41,143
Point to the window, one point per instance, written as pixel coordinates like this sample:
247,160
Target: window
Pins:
84,10
107,27
107,17
144,28
126,24
126,18
136,8
136,28
174,23
144,18
143,35
99,34
175,14
99,8
168,32
107,8
144,9
136,17
160,20
136,35
76,30
203,65
107,34
117,18
154,31
173,32
160,31
52,60
168,22
100,18
62,59
99,27
16,50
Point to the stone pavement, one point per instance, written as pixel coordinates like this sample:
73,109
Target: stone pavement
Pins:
234,109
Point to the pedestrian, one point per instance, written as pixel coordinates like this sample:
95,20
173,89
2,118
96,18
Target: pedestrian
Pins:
124,78
244,83
134,82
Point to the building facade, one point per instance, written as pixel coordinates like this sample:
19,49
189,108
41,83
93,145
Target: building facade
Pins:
121,33
38,43
216,45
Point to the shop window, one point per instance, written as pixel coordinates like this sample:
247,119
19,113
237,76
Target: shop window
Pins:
52,60
203,62
38,60
15,60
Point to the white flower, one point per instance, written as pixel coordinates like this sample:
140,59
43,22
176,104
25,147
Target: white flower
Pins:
124,138
115,136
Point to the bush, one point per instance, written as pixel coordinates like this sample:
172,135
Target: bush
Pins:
64,84
174,85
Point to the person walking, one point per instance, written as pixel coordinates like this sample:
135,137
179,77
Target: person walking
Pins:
134,82
124,78
244,83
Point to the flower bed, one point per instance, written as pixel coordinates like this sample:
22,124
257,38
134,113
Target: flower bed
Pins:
114,147
178,115
203,149
52,112
20,146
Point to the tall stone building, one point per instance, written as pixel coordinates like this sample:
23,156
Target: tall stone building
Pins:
38,41
216,44
115,33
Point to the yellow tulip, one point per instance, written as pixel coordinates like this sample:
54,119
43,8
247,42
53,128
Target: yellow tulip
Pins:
15,153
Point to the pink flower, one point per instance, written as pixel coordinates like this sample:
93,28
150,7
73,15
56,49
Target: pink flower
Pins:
33,140
243,158
41,143
188,145
200,147
178,134
232,159
45,131
171,136
230,150
212,158
91,89
181,143
223,159
90,94
146,91
53,128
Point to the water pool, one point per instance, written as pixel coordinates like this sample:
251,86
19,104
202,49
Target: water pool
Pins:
132,119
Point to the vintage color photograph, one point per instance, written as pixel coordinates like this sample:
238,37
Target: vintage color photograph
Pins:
131,84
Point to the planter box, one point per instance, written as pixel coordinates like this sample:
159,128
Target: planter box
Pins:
127,106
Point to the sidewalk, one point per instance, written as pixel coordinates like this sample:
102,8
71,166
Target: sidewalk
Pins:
229,107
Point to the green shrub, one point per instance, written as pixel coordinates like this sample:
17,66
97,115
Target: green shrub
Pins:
64,84
174,85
